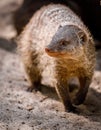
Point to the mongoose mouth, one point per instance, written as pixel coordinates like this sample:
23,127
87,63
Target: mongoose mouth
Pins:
54,54
60,55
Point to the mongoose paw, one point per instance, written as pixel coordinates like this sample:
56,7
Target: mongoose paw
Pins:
72,109
34,89
78,101
30,89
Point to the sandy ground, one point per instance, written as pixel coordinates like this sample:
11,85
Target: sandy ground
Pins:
21,110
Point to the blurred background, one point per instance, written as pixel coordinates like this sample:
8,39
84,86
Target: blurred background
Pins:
15,14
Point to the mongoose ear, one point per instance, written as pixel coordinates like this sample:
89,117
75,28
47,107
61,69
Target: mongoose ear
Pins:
82,37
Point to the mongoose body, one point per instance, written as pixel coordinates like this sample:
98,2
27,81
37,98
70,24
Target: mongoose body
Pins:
55,42
27,9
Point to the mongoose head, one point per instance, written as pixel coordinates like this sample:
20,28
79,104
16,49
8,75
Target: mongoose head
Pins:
68,42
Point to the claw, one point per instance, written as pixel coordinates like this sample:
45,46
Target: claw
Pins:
73,109
33,88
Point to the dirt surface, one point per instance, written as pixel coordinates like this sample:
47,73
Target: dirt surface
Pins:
21,110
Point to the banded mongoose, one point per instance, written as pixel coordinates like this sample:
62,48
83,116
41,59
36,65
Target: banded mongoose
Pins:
57,42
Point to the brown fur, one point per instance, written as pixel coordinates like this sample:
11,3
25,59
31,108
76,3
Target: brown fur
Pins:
79,62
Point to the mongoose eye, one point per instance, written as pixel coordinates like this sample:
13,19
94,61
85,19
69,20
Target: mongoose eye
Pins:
64,43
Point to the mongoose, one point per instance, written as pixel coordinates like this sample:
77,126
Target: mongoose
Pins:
57,42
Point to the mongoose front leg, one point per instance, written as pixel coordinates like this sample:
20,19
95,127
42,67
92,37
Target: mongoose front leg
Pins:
84,85
63,93
34,78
